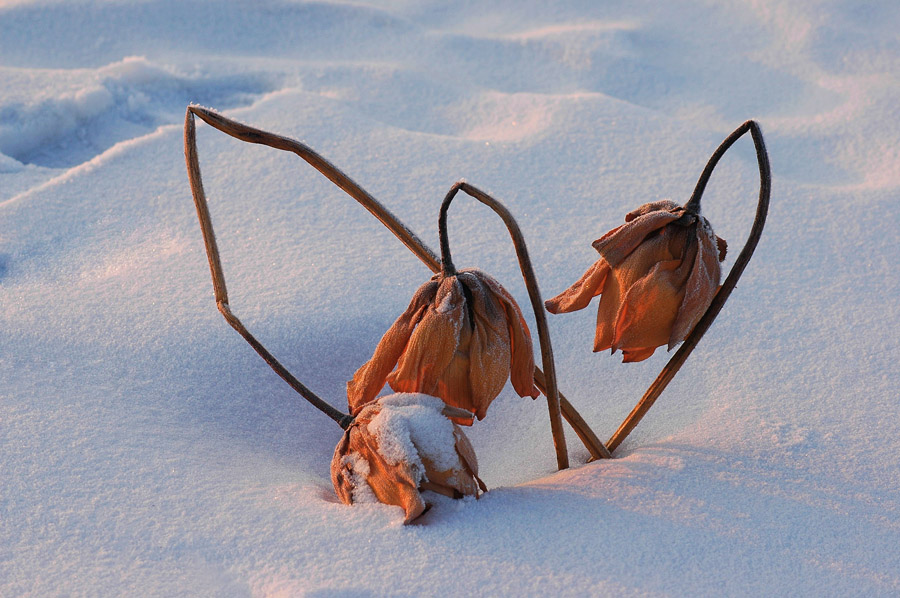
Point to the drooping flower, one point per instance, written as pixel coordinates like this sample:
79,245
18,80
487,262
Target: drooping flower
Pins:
656,275
401,445
460,339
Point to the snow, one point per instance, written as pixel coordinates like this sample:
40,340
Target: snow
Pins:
358,471
146,450
410,425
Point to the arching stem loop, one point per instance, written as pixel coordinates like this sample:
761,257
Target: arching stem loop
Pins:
671,368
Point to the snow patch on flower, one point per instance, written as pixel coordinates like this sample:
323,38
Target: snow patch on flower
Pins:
410,425
358,472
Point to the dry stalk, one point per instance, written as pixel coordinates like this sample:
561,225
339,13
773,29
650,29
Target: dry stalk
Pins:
335,175
534,294
671,368
218,278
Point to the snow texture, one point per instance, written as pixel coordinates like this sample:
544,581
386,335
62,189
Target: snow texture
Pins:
146,450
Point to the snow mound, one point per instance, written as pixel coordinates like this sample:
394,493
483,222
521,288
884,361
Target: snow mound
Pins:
81,114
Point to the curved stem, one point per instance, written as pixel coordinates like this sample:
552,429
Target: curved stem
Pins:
584,432
537,304
335,175
329,170
693,204
447,267
343,419
218,277
677,360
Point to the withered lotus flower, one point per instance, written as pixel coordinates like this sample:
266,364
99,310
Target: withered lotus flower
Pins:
657,275
460,339
401,445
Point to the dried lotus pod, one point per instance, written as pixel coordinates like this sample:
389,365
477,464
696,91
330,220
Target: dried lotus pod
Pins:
399,446
657,275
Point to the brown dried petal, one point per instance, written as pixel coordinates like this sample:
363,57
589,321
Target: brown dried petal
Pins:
656,278
488,346
723,248
701,285
579,295
612,312
433,344
607,311
649,308
369,379
615,248
521,349
341,475
637,354
363,470
455,483
467,458
461,345
658,248
666,205
358,469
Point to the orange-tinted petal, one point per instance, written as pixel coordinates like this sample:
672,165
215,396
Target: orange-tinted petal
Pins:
342,475
454,386
580,294
359,472
649,308
635,267
701,285
609,233
607,311
659,247
521,349
615,248
467,458
489,345
399,445
662,272
666,205
392,484
433,343
455,482
369,379
634,355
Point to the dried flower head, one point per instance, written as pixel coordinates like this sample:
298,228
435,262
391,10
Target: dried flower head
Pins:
399,446
657,274
460,339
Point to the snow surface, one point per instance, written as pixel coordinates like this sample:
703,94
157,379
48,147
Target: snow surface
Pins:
146,450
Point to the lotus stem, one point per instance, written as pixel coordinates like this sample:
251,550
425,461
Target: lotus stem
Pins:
447,267
331,172
350,187
587,436
537,304
218,277
671,368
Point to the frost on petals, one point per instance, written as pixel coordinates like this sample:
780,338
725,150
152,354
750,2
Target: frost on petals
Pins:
656,276
399,446
460,339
